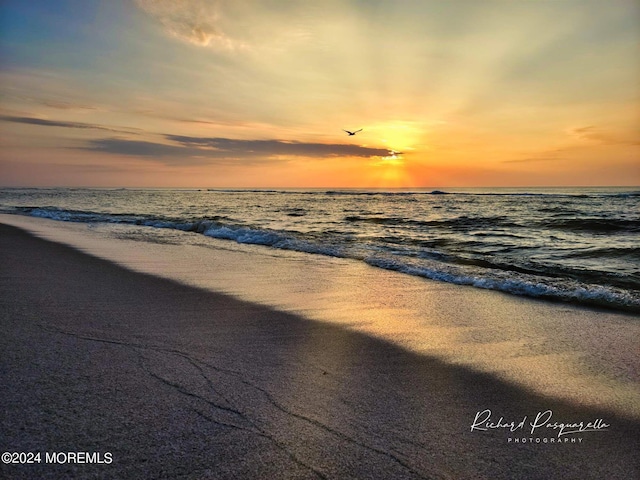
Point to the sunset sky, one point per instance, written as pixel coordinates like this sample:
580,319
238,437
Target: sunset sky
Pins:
248,93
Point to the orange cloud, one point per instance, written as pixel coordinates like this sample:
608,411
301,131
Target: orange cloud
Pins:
600,135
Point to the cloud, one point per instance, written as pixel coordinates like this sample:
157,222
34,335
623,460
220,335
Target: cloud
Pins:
167,154
277,147
534,159
62,124
192,21
135,147
57,104
66,105
187,149
600,135
196,150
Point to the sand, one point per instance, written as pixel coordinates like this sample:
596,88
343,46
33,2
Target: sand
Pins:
581,355
178,382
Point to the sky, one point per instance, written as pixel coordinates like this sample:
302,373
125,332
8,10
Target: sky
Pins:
258,93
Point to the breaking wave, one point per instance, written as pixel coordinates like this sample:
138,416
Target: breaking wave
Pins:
444,258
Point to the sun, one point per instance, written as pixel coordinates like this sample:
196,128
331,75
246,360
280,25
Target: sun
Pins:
400,138
394,158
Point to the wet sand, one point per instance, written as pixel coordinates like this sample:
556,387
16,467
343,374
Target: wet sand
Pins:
178,382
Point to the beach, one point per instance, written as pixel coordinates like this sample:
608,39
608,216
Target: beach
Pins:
341,240
174,381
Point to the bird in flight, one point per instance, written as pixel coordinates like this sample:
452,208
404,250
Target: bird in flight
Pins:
352,133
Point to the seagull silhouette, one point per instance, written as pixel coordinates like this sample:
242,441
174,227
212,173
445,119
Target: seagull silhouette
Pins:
352,133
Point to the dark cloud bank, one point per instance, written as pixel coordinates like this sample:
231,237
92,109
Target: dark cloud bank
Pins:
203,148
61,124
185,149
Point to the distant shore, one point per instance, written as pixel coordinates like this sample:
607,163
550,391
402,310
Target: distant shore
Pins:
173,381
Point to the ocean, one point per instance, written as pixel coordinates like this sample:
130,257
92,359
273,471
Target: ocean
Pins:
578,245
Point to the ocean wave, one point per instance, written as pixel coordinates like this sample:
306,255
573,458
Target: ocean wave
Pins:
370,193
573,292
593,225
271,239
294,212
615,252
82,216
55,213
623,194
238,190
440,259
463,223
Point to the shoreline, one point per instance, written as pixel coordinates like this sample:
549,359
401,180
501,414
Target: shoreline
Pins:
579,354
174,380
